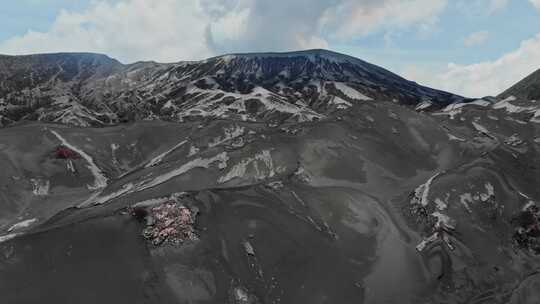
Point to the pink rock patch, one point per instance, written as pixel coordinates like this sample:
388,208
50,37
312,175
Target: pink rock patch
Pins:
170,222
66,153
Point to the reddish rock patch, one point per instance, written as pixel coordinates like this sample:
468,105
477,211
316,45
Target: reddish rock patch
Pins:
66,153
170,222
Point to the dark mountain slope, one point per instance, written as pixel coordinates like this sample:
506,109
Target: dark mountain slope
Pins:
528,88
89,89
304,69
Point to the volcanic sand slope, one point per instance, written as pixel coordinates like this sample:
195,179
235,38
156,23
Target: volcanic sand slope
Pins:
333,194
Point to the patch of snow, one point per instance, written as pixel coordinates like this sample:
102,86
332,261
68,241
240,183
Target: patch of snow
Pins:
126,188
241,295
434,237
392,115
100,180
298,198
490,189
528,205
451,113
193,150
350,92
158,201
421,193
70,166
302,174
423,105
523,195
168,104
521,122
440,204
478,102
249,248
97,199
456,108
221,159
465,199
443,225
21,225
71,112
7,237
41,187
480,128
453,137
152,202
277,185
158,159
536,117
511,108
510,98
240,169
114,148
443,221
231,132
484,197
340,103
208,105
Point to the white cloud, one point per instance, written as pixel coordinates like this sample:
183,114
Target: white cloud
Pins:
481,7
293,24
353,18
484,78
497,5
476,38
164,30
536,3
172,30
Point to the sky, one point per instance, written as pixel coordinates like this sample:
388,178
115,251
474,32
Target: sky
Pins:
470,47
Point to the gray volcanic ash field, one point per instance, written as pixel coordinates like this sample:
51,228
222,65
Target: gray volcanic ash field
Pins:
304,177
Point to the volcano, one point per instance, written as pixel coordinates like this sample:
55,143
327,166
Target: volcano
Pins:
300,177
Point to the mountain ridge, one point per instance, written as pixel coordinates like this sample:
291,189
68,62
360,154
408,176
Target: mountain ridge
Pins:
527,88
94,89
